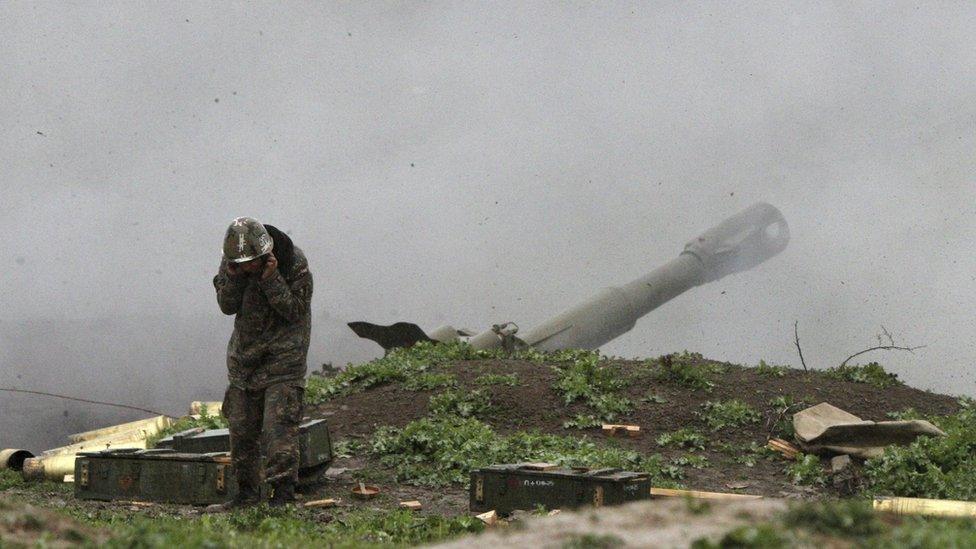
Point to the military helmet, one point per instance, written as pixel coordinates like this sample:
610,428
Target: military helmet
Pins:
246,239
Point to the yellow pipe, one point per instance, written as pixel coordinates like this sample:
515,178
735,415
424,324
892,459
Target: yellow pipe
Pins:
153,424
213,407
930,507
13,458
668,492
56,466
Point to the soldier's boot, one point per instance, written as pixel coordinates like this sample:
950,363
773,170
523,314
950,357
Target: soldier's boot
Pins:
244,498
284,493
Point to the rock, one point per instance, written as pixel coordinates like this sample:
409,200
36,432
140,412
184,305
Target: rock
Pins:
839,464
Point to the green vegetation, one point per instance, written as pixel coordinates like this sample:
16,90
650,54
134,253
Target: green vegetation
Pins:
690,370
690,460
406,366
931,467
428,381
592,541
762,536
205,421
595,382
846,524
872,374
267,527
730,413
459,403
654,399
683,438
485,380
347,447
848,518
807,470
443,450
770,370
784,406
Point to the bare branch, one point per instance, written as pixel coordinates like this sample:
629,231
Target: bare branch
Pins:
882,346
796,335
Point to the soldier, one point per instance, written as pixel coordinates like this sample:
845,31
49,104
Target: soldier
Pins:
265,281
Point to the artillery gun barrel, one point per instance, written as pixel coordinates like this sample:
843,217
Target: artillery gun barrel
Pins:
738,244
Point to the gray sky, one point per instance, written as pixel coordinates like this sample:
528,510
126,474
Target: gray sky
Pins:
476,163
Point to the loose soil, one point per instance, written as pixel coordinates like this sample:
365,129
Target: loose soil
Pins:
535,405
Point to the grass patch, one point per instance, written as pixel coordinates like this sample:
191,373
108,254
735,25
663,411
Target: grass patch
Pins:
654,398
770,370
851,518
428,381
683,438
871,373
764,536
689,370
596,382
592,541
806,470
730,413
205,421
459,403
931,467
486,380
266,527
407,366
443,450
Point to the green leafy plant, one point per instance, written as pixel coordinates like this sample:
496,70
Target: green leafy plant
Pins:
853,518
770,370
654,399
430,380
595,382
931,467
689,369
872,374
459,403
443,450
731,413
683,438
807,470
404,365
485,380
206,420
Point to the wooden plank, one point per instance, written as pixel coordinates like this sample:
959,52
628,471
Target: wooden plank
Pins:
615,429
322,503
490,518
412,505
670,493
788,450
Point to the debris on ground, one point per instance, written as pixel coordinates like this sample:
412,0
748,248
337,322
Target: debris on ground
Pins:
928,507
614,430
825,428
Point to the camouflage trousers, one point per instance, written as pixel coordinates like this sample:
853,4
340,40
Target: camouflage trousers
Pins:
264,434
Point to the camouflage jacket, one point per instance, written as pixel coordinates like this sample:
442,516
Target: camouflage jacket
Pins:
273,324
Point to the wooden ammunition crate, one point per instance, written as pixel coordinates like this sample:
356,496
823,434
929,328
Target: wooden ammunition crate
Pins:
505,488
159,475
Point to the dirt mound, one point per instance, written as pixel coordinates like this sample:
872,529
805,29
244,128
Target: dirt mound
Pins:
535,404
24,525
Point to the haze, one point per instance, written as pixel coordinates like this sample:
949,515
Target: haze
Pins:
472,164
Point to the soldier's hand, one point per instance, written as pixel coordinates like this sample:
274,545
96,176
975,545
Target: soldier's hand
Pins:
270,266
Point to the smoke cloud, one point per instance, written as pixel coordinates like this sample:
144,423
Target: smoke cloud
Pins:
473,164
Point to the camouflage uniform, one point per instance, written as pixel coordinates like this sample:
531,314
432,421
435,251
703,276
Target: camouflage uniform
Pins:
266,363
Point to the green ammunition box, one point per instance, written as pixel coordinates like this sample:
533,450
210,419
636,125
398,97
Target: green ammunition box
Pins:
159,475
315,446
506,488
